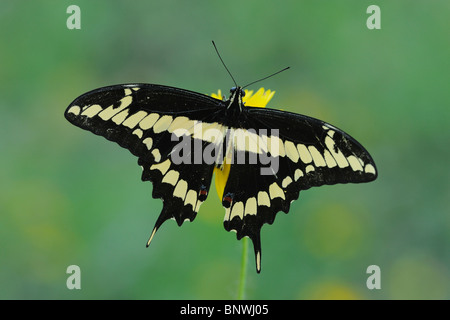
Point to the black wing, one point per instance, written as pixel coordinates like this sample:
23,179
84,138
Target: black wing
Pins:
306,152
143,118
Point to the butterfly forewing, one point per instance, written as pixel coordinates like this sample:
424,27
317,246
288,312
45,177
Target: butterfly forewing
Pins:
315,146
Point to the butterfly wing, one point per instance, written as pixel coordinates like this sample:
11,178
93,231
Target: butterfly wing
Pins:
151,121
306,152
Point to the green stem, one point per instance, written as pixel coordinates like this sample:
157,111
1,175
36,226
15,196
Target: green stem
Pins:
243,276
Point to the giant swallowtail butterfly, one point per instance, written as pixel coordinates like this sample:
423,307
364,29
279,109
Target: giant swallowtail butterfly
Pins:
161,124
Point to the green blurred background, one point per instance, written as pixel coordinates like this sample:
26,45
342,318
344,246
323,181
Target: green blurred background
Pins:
70,197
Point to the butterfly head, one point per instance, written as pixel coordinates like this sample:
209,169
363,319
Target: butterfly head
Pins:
240,90
235,99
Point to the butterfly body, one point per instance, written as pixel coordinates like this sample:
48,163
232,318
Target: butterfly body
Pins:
182,137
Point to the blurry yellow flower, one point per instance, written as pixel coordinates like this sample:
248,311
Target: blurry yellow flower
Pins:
217,95
259,100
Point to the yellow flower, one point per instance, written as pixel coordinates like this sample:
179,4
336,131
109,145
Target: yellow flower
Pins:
259,100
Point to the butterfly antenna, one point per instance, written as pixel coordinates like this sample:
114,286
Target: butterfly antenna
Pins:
224,64
265,77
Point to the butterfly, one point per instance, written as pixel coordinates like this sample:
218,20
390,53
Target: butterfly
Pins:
181,136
